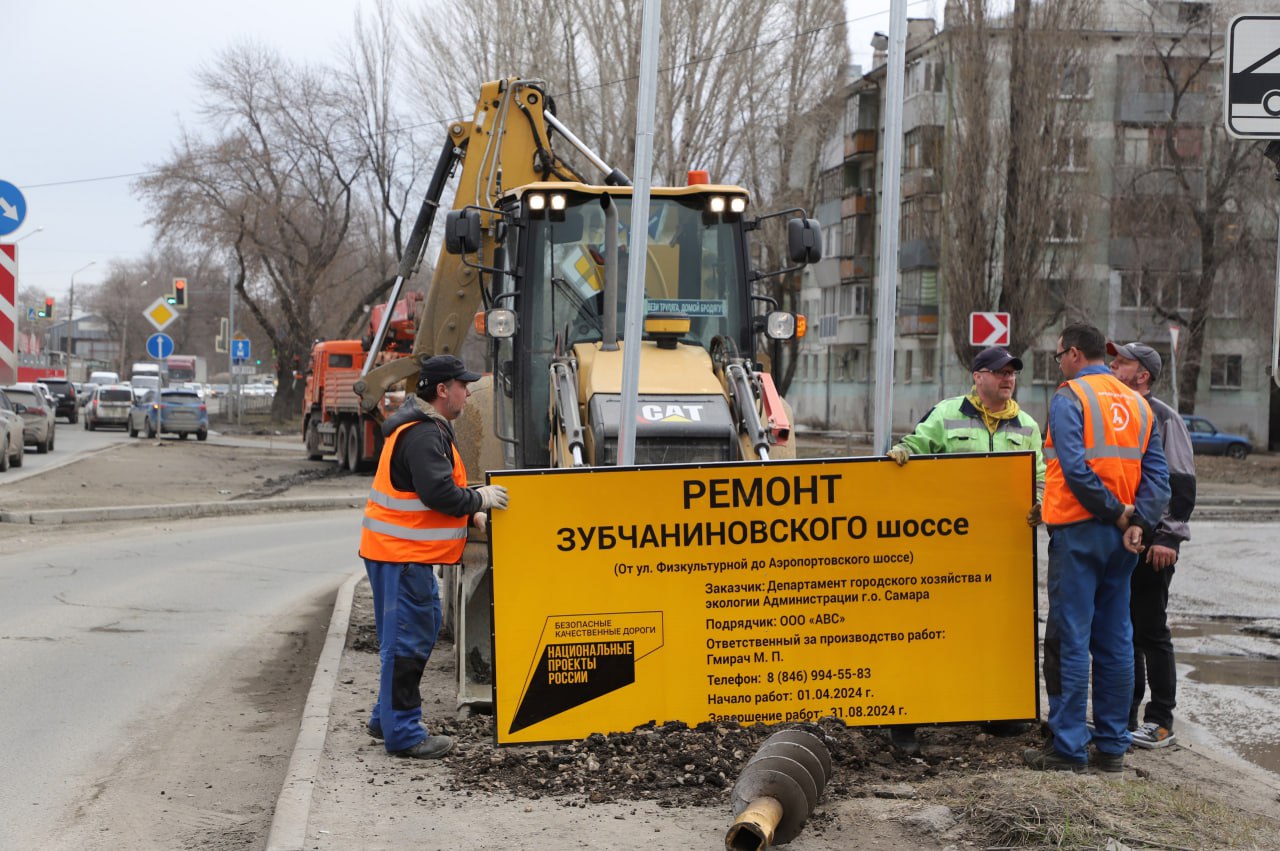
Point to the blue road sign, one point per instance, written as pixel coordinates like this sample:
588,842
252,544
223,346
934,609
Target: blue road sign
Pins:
13,208
159,346
240,350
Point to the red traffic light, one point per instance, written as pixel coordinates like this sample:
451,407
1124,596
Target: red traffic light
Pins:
47,313
180,292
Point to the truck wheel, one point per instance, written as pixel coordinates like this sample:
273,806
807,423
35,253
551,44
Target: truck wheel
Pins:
340,445
314,452
354,447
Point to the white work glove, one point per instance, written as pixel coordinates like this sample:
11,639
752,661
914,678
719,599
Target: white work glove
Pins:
481,520
900,453
492,496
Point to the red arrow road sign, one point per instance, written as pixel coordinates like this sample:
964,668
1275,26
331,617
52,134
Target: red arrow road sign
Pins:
988,329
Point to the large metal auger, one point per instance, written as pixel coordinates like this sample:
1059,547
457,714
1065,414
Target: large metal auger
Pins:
777,790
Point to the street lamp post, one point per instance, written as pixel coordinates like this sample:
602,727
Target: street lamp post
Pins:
124,335
71,296
25,235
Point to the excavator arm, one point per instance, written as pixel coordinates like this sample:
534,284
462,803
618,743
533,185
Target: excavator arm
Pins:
505,144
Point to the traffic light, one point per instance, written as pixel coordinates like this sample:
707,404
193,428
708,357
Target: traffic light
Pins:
47,312
180,292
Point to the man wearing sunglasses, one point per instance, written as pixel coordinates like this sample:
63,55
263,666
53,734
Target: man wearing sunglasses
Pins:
1106,485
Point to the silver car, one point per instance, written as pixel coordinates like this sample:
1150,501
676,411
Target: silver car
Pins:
37,412
109,406
11,438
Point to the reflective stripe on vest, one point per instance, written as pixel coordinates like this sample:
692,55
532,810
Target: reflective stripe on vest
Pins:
397,527
1115,440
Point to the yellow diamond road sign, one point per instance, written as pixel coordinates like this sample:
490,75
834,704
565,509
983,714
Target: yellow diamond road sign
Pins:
160,314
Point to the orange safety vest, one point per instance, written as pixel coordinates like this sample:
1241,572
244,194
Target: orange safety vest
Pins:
1117,427
399,528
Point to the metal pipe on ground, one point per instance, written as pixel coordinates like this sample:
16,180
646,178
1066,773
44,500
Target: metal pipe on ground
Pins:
777,790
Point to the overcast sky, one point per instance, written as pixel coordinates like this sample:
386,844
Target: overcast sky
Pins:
94,94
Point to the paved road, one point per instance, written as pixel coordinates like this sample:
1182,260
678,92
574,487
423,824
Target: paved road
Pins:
73,441
106,632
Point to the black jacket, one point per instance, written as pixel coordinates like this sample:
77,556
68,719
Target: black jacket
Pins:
423,460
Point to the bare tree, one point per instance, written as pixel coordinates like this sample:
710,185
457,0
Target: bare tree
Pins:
1196,204
381,132
1014,249
273,192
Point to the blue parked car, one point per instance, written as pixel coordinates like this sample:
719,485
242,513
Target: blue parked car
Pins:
1207,440
179,412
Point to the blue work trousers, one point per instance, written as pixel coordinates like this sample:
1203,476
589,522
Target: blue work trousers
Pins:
1089,573
406,612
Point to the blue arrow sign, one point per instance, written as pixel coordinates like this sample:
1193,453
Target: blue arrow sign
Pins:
240,350
159,346
13,207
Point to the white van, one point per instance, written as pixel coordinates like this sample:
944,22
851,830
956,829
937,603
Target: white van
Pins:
101,378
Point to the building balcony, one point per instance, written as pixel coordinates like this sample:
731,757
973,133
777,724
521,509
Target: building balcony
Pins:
857,204
858,267
920,181
919,321
861,143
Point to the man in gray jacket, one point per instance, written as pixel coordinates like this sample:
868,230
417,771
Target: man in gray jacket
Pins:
1138,366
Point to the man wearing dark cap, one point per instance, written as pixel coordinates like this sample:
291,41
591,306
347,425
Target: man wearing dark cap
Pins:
417,516
1138,366
986,420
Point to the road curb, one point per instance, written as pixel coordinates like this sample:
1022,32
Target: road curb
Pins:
56,516
293,807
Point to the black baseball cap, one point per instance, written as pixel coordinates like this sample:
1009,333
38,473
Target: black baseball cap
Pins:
995,358
438,368
1142,353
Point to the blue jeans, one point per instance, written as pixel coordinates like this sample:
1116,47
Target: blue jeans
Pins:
1089,573
406,612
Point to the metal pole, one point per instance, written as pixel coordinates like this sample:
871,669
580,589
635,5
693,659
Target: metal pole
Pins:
1275,332
887,267
639,243
232,396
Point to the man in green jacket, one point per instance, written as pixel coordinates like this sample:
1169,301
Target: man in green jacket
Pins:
986,420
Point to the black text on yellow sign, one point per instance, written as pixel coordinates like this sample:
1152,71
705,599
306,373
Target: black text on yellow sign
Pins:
772,592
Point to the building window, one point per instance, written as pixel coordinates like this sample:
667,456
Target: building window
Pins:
848,236
1066,225
1224,372
1134,145
861,299
1044,369
924,75
1071,154
1076,82
921,147
908,365
928,363
1187,144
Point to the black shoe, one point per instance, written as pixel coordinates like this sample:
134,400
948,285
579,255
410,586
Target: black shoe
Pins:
1051,759
1112,762
432,747
1004,729
374,732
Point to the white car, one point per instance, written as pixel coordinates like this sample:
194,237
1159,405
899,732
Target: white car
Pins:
11,439
37,413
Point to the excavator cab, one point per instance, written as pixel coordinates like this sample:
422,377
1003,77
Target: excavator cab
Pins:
556,312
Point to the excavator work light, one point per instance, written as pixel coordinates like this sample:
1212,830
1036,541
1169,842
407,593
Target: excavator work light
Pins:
537,202
558,202
738,205
716,204
780,325
500,323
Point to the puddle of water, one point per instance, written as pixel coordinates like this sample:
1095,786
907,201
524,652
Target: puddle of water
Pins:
1232,670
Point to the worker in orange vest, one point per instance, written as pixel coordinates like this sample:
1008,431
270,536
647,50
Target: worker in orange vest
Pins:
417,516
1106,484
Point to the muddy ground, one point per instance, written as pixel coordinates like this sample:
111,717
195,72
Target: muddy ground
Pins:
965,789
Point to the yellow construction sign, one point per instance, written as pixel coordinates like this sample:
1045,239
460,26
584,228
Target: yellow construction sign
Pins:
766,592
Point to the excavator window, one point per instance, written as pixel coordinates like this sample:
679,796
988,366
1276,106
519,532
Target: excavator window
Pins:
694,266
